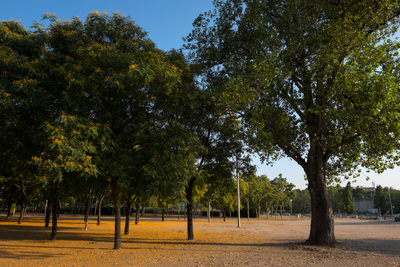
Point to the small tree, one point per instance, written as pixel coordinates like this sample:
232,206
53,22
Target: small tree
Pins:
347,200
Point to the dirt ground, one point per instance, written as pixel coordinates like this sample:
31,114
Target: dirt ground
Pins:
272,242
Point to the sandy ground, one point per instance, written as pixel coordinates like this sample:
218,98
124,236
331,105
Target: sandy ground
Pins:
272,242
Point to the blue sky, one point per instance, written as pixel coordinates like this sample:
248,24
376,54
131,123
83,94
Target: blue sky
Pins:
167,22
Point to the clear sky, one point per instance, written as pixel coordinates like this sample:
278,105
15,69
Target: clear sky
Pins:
167,22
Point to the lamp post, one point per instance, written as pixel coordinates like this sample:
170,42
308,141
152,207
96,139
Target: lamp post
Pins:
238,193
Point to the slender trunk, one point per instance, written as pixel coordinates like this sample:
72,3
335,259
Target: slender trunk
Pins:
137,213
117,204
9,208
189,207
259,210
87,211
21,215
99,209
54,213
224,215
322,224
209,211
128,215
143,210
248,208
48,210
162,214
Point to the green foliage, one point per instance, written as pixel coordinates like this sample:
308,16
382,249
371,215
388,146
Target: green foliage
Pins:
347,200
316,81
301,202
71,148
304,67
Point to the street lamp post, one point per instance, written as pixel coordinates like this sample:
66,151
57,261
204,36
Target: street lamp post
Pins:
238,195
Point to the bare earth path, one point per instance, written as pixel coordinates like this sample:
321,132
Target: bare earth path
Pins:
272,242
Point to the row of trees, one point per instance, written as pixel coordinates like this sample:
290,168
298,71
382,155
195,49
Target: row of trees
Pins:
93,109
387,200
92,105
258,193
96,102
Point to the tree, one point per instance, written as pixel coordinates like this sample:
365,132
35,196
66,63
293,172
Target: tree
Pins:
301,201
379,199
113,75
347,199
316,81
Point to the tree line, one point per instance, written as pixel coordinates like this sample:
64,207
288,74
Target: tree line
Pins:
94,105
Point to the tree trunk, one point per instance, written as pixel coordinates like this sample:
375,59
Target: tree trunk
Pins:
128,215
189,207
209,211
21,215
322,225
99,209
117,204
54,213
137,213
48,210
162,214
224,213
9,208
248,208
87,212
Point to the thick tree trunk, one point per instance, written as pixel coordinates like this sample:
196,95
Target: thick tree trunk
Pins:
117,204
54,213
189,207
322,225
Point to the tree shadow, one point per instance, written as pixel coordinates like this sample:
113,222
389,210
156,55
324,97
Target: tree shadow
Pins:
369,222
41,235
381,246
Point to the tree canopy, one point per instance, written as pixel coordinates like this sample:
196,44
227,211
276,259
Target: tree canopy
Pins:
316,81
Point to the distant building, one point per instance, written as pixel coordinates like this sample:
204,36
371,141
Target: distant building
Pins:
365,205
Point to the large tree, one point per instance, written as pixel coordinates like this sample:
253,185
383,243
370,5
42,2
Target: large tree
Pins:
316,81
